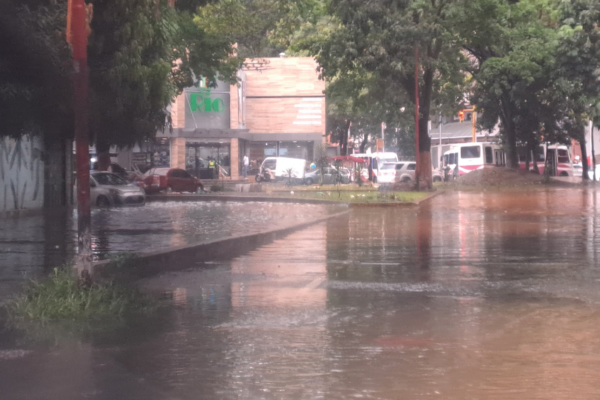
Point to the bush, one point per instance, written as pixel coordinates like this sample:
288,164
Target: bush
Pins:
60,297
216,188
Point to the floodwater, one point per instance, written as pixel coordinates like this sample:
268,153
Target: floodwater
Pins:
471,296
34,244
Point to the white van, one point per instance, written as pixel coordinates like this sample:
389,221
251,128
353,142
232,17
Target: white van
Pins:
280,167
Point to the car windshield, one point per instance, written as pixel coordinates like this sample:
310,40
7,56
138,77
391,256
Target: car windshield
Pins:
109,179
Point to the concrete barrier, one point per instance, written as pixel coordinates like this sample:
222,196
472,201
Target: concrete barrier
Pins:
188,256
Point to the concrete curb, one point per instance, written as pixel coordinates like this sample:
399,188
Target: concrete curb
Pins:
208,197
389,204
430,196
184,257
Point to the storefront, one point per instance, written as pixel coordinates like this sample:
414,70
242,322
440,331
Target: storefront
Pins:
258,151
199,153
278,109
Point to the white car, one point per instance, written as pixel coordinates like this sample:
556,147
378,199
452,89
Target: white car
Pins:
107,189
403,171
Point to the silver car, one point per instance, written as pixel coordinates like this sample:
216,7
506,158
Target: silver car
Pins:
107,189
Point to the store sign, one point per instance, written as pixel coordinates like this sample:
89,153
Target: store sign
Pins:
203,102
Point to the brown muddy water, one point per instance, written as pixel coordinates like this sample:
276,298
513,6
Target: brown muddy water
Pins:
471,296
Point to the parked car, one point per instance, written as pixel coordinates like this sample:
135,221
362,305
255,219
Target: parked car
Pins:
397,172
108,189
387,172
170,180
330,176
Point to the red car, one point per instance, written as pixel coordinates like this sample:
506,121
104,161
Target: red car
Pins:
170,180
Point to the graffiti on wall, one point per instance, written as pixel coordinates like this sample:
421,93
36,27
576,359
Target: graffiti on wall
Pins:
21,173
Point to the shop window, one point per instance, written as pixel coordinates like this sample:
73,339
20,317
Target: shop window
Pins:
199,154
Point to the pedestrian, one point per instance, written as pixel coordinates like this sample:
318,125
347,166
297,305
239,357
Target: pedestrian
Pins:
212,166
246,162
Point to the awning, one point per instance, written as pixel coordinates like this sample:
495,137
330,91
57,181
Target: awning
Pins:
348,158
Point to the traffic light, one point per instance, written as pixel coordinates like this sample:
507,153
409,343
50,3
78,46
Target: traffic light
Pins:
461,116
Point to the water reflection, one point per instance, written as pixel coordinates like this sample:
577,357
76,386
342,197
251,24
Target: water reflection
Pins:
472,296
32,244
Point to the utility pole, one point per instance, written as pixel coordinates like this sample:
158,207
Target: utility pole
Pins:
474,120
78,39
593,154
417,152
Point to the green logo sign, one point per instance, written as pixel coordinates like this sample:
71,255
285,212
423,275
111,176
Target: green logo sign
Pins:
202,102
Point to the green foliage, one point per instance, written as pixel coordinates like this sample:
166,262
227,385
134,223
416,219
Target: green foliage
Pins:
141,54
216,188
245,22
60,297
536,67
35,84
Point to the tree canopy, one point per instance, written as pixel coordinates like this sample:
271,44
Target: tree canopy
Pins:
141,54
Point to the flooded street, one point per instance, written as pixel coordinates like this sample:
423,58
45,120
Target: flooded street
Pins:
470,296
34,244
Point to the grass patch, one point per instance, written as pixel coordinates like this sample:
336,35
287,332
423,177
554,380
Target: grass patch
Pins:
60,297
361,196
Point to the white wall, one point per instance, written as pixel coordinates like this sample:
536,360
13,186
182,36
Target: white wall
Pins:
21,173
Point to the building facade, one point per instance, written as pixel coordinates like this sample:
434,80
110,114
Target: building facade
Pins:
276,109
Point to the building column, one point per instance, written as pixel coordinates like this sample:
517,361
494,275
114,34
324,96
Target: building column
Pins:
234,157
178,153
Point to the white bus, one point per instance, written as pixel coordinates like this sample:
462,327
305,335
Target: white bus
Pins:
473,156
559,159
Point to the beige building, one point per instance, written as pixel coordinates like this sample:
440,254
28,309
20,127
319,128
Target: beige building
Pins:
277,109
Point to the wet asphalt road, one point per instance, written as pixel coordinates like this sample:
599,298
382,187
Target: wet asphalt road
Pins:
472,296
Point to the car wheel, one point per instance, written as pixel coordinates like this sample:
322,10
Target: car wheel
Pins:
308,181
102,202
258,179
437,179
564,174
405,180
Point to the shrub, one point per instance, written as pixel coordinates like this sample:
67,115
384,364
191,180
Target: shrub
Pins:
61,297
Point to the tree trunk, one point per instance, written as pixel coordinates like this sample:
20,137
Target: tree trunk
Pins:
584,160
54,172
103,155
364,142
344,139
534,158
425,173
425,178
510,132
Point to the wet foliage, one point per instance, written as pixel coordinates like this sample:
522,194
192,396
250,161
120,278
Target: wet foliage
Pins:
60,297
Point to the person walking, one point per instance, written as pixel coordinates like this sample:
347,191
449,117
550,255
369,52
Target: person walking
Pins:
246,162
212,166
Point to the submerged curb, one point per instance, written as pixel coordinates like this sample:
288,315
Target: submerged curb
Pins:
200,198
187,256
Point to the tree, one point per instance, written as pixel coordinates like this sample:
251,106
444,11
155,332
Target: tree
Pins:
512,44
35,86
380,37
578,68
248,23
142,53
